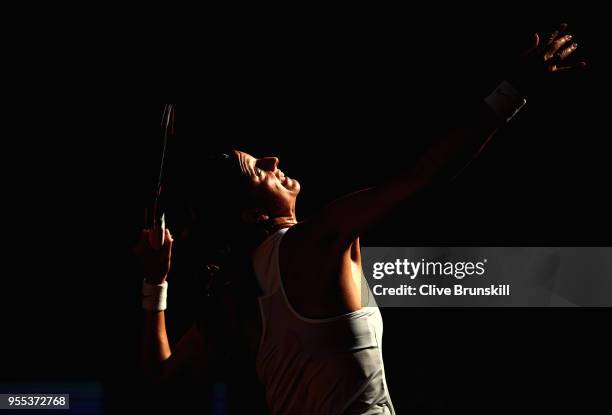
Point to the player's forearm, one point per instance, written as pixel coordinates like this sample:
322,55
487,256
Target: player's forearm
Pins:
155,336
450,153
155,346
348,217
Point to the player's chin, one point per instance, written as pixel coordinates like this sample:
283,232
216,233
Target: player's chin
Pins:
290,185
293,186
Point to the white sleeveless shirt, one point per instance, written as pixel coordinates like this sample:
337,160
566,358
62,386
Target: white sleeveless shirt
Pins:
331,366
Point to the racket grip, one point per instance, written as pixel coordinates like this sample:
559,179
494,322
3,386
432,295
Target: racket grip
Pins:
157,236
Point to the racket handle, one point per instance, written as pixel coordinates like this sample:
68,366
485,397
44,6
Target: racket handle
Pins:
157,235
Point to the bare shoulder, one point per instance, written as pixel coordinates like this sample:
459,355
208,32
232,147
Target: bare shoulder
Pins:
304,245
312,265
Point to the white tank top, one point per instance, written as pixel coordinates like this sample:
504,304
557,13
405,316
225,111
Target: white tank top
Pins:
329,366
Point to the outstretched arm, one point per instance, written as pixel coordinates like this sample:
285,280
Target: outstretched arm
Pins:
346,218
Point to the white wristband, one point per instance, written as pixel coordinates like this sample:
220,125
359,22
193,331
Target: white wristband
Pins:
154,296
505,101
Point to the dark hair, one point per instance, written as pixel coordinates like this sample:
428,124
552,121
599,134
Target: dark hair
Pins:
214,195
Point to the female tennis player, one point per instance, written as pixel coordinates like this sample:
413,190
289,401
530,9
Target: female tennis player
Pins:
314,344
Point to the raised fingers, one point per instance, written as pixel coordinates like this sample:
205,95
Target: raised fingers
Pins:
556,46
564,53
555,34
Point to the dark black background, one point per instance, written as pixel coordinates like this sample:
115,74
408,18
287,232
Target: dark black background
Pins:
344,104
